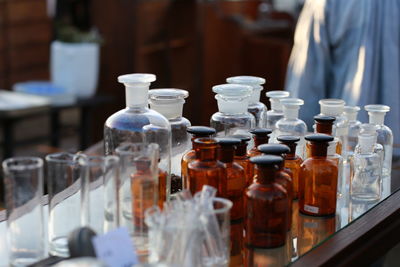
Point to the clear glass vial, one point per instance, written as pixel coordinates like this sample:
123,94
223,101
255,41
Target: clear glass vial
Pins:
169,102
351,112
276,112
366,169
232,116
138,124
258,109
385,138
290,124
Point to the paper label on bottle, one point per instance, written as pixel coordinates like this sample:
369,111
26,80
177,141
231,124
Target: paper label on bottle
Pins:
311,209
115,248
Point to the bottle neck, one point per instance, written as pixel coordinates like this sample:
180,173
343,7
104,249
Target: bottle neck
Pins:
260,140
377,118
290,113
255,95
230,106
292,152
331,110
266,174
206,153
136,94
351,116
324,128
172,110
319,150
225,154
367,143
276,104
241,150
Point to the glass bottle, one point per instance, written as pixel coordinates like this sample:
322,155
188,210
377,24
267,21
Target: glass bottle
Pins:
236,184
324,125
318,179
258,109
351,113
232,116
290,124
366,169
206,169
276,112
189,156
260,137
376,115
169,102
139,124
242,158
266,205
292,161
285,179
335,108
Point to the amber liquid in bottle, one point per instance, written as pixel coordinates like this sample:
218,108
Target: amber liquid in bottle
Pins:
243,160
318,182
266,205
206,169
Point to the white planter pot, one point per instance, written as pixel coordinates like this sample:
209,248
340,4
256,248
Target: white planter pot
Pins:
75,66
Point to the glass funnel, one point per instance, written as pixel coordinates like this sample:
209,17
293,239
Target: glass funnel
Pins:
256,108
351,112
138,124
385,138
169,102
276,112
232,117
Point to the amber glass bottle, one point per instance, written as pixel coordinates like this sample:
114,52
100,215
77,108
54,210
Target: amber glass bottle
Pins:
292,161
266,205
236,184
242,158
285,177
324,125
196,132
318,179
260,137
206,169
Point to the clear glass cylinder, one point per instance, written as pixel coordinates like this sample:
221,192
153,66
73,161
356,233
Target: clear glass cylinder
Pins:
67,204
276,112
255,107
232,117
169,102
138,189
23,180
139,124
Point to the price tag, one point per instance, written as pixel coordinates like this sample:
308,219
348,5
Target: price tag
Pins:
115,248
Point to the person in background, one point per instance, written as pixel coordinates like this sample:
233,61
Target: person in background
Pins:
348,49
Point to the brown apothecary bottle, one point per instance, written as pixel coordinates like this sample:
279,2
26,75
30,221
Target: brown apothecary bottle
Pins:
292,161
266,205
242,158
189,156
260,137
285,177
318,179
206,169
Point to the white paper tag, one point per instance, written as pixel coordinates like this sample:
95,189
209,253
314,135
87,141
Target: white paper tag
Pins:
115,248
311,209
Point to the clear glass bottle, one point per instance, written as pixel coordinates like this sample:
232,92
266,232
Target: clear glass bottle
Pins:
206,169
139,124
385,138
366,169
260,137
189,156
232,116
236,184
292,161
290,124
351,113
285,179
258,109
266,205
242,158
169,102
276,112
335,108
318,179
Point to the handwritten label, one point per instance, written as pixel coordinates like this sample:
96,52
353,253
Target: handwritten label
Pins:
115,248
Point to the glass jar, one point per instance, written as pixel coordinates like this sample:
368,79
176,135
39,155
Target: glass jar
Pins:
258,109
169,102
242,158
139,124
260,137
232,116
276,112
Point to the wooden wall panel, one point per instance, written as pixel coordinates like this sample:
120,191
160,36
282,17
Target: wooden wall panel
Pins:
38,55
22,11
29,34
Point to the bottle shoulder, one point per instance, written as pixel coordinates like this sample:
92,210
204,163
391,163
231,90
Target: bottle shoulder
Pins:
266,192
179,122
220,116
257,106
198,165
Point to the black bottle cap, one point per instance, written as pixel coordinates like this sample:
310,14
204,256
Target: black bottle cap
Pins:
288,139
273,149
261,131
267,160
201,131
319,138
228,141
242,137
324,119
